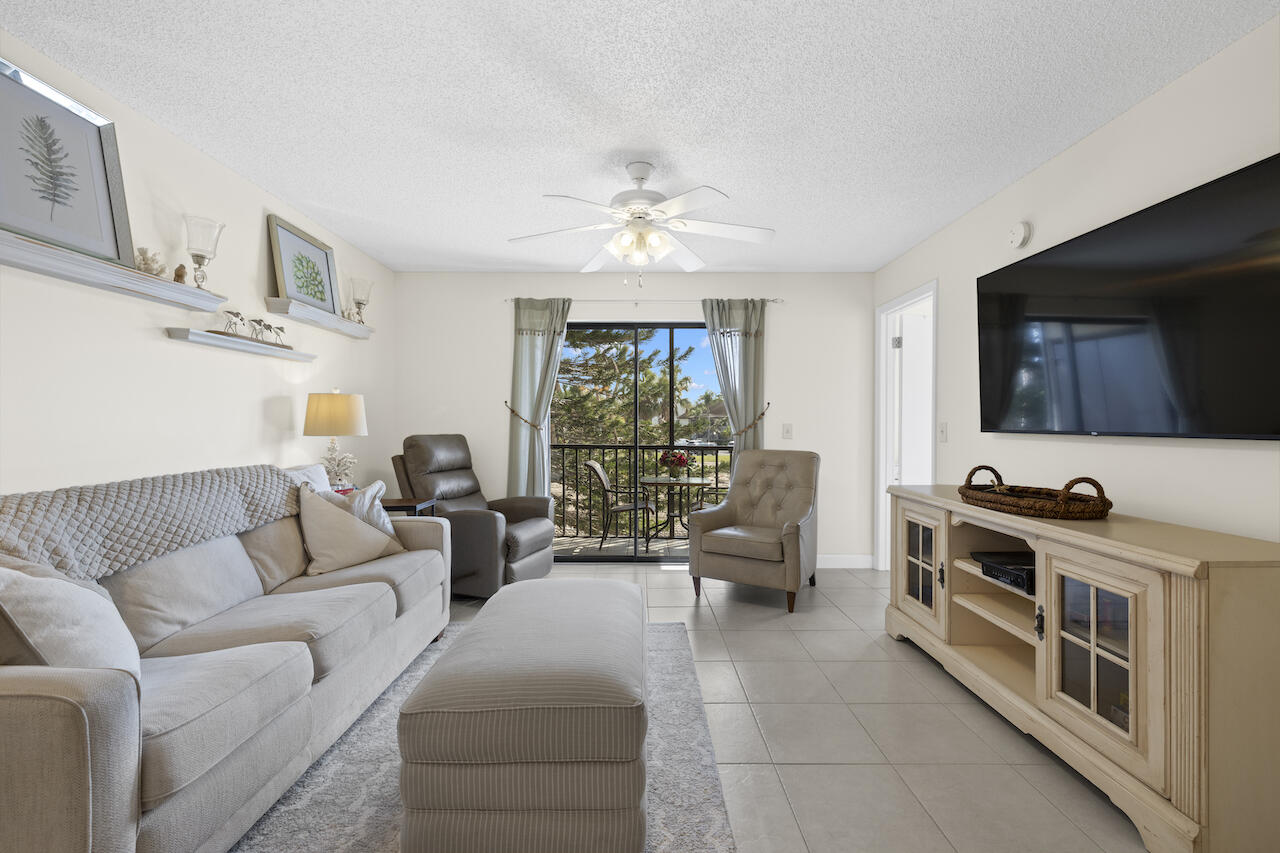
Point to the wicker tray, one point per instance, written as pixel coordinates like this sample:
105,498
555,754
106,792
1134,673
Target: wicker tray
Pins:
1036,502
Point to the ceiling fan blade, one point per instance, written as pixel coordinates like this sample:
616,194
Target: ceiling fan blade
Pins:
599,227
684,256
694,199
598,261
749,233
612,211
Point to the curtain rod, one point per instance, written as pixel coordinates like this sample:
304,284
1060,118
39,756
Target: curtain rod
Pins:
662,301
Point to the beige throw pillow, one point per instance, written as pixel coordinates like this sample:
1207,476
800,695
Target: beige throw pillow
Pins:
335,538
52,621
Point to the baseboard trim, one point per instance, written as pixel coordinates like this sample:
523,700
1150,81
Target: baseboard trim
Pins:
844,561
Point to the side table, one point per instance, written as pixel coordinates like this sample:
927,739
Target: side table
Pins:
410,506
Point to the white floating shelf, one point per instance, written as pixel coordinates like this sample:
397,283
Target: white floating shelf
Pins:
28,254
209,339
312,316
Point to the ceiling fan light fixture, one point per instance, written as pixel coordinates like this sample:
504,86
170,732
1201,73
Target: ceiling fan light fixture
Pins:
638,258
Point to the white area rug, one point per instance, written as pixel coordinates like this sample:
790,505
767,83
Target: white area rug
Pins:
349,800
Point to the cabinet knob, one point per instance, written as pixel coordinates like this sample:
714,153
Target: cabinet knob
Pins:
1040,622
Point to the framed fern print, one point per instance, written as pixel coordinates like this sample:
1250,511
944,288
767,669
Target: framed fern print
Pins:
60,179
304,266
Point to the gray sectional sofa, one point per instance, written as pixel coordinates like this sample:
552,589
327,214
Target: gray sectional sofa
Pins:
250,668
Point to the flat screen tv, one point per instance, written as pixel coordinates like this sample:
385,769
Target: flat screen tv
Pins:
1164,323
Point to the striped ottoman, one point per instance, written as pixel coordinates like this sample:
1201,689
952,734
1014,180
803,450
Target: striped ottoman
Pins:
527,735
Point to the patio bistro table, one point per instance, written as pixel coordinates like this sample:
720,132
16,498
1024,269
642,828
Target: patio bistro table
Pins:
677,489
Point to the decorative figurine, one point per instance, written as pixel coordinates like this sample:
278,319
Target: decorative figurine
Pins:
257,329
180,274
234,321
278,332
149,262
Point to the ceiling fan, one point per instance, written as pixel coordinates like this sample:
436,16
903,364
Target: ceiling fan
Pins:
647,222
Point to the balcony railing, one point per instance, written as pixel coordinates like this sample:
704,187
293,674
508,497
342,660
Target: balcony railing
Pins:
580,503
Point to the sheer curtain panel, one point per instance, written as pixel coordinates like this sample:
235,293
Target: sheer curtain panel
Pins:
735,331
540,327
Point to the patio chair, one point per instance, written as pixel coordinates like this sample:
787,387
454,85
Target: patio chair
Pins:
614,508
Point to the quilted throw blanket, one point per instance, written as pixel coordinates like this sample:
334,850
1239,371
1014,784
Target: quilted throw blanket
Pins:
89,532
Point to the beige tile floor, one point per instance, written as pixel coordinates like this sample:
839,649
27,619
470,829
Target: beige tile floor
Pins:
832,737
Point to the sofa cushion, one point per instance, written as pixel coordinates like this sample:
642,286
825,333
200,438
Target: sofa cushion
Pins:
162,596
276,551
528,537
757,543
198,708
46,620
313,474
337,539
334,623
410,575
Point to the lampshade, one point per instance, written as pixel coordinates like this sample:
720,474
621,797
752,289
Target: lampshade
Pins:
335,414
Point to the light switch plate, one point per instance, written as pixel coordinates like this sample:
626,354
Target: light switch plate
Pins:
786,431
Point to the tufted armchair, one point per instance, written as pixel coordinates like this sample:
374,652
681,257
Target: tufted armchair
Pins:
765,533
494,542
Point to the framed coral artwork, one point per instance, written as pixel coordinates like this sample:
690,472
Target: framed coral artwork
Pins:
60,179
304,266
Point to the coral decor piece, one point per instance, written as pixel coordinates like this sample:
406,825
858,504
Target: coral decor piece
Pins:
149,262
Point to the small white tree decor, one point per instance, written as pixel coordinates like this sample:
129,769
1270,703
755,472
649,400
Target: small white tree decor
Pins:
340,467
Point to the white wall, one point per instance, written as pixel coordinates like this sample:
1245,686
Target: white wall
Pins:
818,371
1217,118
90,388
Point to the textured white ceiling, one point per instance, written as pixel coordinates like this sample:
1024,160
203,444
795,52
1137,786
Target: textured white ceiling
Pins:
426,133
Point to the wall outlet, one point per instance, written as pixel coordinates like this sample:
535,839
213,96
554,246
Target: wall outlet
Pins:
786,431
942,432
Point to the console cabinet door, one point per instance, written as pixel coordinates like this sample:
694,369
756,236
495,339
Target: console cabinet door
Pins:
919,565
1104,645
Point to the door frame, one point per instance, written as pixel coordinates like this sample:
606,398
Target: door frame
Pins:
882,535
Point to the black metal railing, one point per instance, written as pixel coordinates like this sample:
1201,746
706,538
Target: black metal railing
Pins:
580,503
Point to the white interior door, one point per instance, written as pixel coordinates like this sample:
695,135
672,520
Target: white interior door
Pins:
905,369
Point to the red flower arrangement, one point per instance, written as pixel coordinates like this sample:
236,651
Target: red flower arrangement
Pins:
675,461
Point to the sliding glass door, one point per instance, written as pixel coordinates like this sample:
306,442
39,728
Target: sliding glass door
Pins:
639,439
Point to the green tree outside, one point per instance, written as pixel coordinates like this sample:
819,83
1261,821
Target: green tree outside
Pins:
593,405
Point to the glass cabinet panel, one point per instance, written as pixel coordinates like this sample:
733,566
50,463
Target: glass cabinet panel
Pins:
919,557
1094,665
920,566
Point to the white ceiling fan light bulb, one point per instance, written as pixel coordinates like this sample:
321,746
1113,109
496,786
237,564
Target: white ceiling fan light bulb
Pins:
626,239
653,239
638,258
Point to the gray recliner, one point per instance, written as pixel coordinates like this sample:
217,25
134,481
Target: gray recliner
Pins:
766,531
494,542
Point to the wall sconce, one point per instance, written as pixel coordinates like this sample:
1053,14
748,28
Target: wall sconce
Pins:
202,244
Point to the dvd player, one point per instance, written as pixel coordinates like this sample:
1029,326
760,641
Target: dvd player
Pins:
1012,568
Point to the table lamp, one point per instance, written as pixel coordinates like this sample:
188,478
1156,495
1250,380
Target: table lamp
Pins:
335,414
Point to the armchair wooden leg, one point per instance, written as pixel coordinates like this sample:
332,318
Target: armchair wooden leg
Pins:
697,586
791,602
813,579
